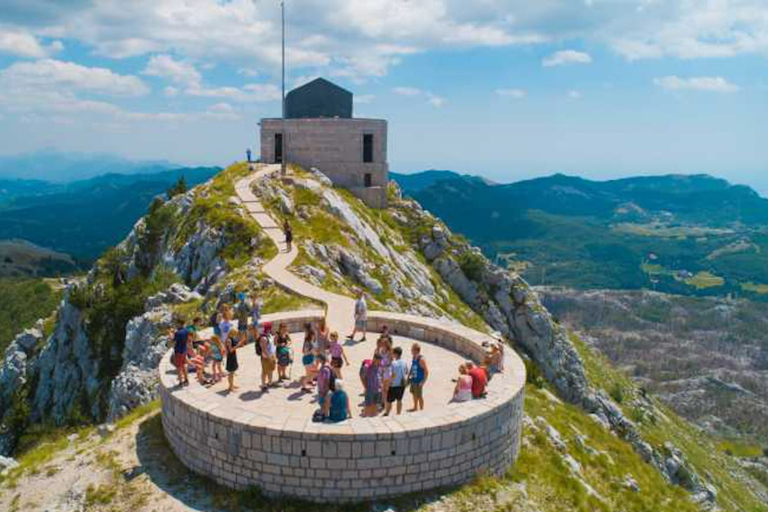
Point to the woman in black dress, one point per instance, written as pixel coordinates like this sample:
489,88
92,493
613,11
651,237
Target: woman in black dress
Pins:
235,340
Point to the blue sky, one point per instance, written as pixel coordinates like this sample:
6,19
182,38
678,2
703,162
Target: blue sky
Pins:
509,89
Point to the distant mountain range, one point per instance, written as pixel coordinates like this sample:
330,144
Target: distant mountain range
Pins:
684,234
83,218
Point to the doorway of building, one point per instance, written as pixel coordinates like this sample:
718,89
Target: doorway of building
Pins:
278,148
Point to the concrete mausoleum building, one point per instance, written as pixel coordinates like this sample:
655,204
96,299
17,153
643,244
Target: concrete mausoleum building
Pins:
320,132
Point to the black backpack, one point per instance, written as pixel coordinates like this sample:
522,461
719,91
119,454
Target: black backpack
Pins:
258,345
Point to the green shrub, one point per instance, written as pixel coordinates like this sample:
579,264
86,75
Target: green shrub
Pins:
617,392
472,265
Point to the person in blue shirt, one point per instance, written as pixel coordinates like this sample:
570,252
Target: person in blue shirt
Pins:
337,408
180,338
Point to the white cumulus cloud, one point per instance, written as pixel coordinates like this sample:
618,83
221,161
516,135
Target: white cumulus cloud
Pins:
697,83
56,74
565,57
25,44
178,72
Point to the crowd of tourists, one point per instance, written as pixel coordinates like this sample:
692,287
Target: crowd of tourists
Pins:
385,375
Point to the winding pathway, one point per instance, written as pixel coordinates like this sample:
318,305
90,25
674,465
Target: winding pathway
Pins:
339,309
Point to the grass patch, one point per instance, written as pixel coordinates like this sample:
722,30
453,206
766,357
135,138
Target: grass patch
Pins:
101,495
740,449
758,288
137,413
703,280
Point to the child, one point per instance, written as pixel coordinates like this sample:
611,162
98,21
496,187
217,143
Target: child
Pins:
234,341
198,360
225,325
384,349
337,354
417,378
268,353
283,352
397,384
308,358
217,355
463,390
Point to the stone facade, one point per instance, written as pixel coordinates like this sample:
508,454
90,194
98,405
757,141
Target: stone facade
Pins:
335,146
359,459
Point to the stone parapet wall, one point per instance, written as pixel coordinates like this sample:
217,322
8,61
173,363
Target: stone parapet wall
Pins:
359,459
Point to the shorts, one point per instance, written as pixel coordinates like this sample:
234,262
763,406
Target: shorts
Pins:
417,390
361,325
372,398
395,393
336,362
267,365
307,359
179,360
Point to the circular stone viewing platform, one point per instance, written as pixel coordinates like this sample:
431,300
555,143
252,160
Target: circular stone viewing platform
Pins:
268,440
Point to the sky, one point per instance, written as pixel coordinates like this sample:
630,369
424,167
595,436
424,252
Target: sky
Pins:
509,89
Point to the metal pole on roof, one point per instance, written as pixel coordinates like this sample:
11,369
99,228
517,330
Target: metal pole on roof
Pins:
285,136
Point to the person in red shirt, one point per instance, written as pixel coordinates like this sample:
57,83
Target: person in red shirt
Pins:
479,380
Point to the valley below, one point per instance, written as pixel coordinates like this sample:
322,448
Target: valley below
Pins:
706,358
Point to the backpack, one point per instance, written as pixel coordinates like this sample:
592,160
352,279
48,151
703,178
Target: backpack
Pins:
283,356
364,367
258,346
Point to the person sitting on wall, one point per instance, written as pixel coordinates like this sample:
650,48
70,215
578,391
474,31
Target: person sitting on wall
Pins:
463,390
337,408
479,379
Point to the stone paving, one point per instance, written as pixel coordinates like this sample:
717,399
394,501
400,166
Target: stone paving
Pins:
287,403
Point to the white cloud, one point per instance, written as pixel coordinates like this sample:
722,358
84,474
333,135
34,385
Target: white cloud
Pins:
407,91
575,95
178,72
512,93
25,44
55,74
698,83
171,91
432,99
247,93
566,57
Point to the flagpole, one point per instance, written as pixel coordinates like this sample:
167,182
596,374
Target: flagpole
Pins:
285,135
